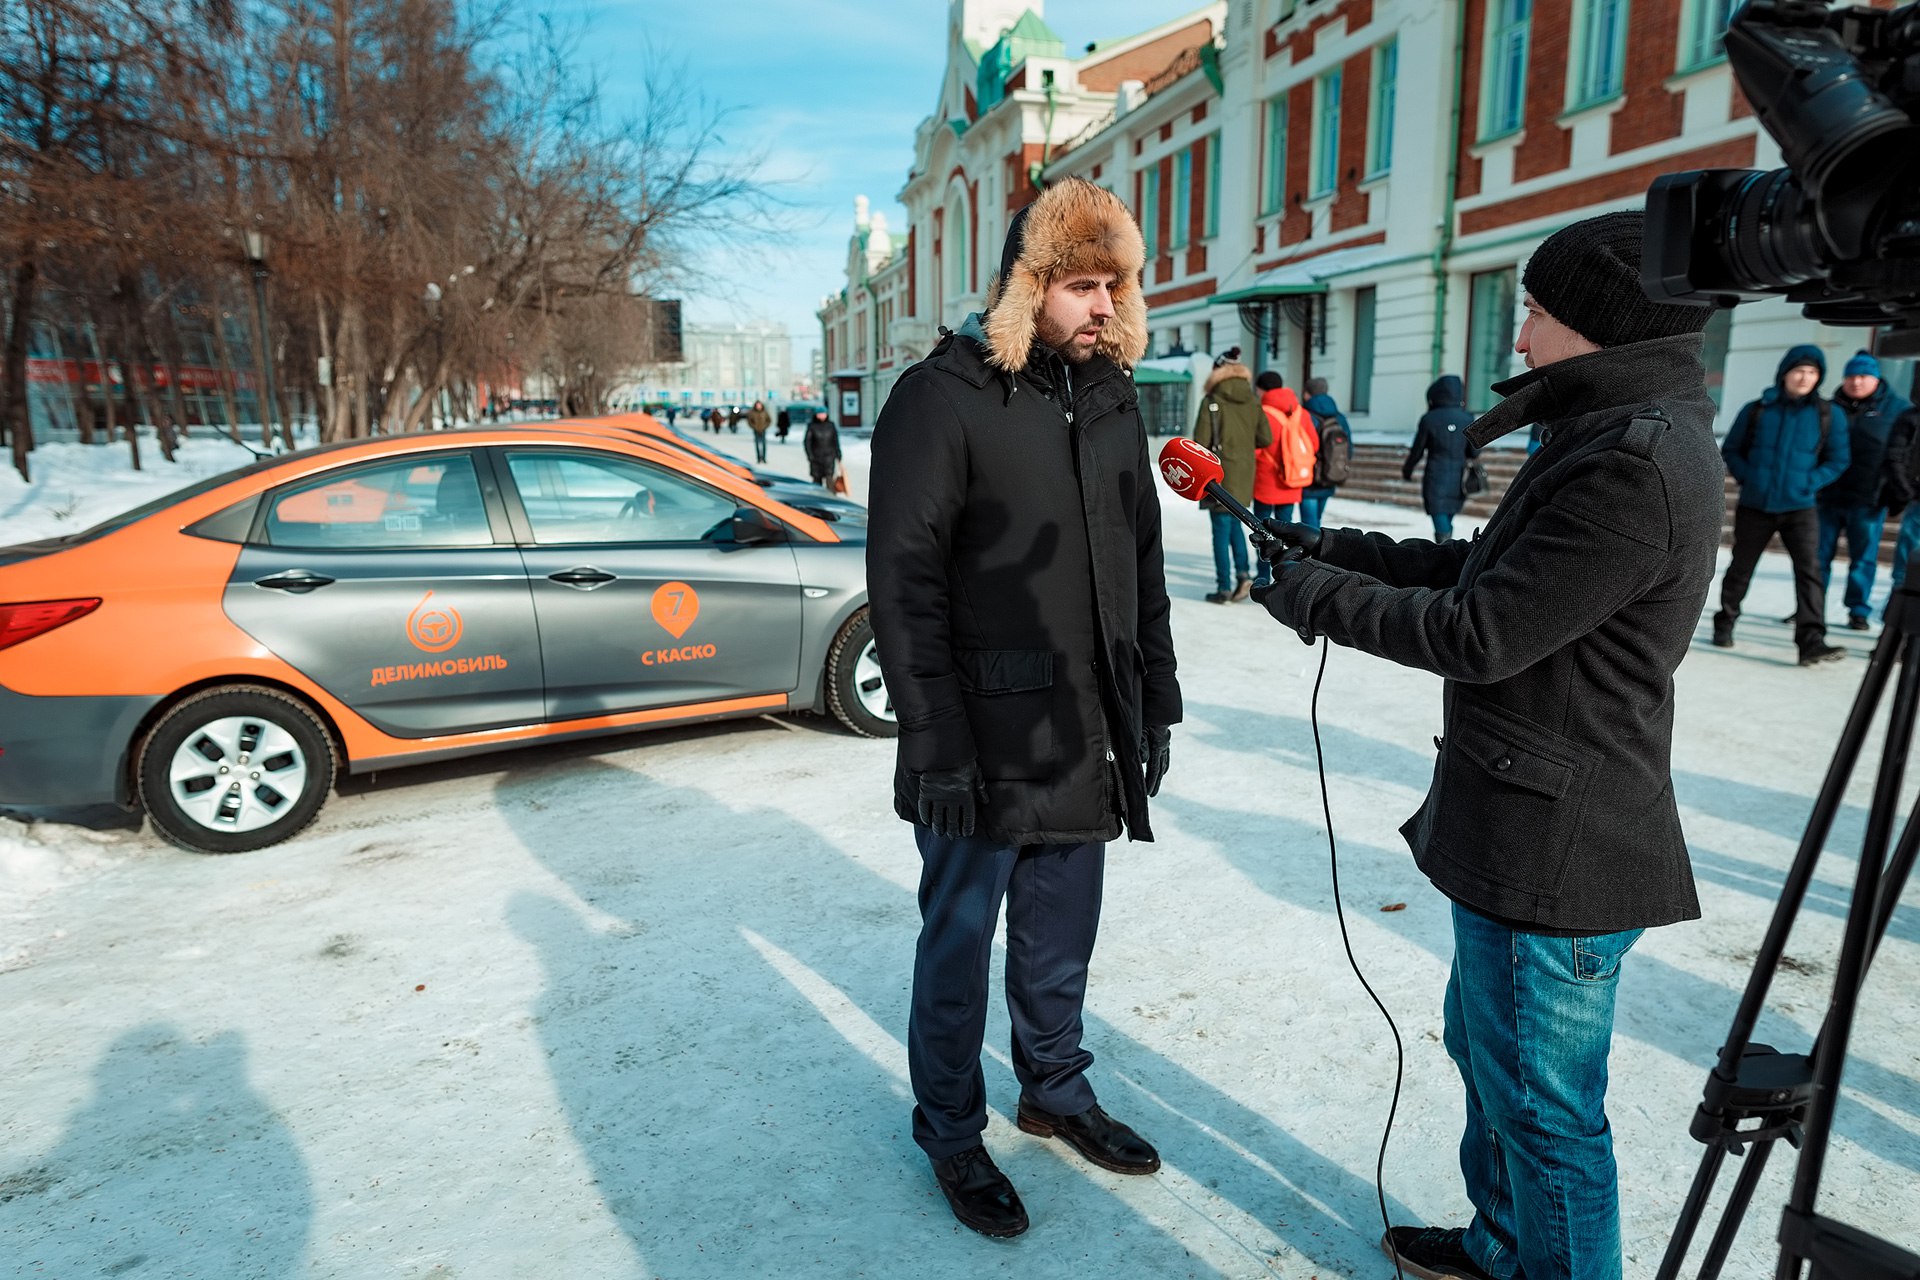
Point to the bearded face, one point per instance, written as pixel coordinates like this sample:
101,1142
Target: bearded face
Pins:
1077,308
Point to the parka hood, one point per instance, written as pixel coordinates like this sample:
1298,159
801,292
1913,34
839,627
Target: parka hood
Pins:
1223,378
1073,227
1805,353
1446,392
1322,406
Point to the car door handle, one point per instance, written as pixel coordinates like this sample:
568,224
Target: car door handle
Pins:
297,581
584,578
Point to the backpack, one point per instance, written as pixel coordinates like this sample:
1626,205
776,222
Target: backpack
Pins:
1334,465
1294,448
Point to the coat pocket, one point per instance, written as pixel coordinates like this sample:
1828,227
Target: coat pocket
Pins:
1511,802
1008,694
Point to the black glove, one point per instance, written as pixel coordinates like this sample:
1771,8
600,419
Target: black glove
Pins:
1284,537
950,799
1156,746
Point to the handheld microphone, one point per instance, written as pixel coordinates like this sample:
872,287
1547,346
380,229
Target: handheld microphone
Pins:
1194,472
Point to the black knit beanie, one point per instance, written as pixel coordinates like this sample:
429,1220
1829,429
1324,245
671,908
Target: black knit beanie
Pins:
1587,276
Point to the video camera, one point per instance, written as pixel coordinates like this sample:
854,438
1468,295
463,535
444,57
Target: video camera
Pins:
1838,229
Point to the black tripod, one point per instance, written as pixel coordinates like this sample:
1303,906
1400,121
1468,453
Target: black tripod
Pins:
1790,1095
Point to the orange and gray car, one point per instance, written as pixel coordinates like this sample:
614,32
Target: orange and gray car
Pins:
218,656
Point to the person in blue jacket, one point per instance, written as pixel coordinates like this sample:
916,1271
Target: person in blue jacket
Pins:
1783,449
1336,442
1875,484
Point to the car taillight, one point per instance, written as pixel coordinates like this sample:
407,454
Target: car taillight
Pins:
25,621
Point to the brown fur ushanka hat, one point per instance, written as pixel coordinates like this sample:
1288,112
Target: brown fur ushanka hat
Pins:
1074,227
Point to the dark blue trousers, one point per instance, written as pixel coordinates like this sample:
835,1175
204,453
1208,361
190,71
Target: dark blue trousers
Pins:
1052,892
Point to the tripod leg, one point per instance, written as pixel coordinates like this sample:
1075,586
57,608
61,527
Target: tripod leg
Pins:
1736,1211
1690,1216
1830,1058
1894,881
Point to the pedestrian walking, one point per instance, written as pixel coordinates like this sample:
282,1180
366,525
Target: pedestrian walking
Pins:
758,421
1231,424
1334,463
1880,430
1284,468
1551,822
1783,449
1020,612
782,422
822,445
1441,439
672,412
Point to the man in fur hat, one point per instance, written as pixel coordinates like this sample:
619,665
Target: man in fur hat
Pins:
1020,609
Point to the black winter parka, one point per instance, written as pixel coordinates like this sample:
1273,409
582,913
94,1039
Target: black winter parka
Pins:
1558,630
1441,438
1880,431
1019,600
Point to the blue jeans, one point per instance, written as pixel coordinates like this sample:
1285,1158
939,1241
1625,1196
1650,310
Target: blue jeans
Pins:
1228,537
1442,526
1903,549
1862,525
1263,572
1312,503
1529,1020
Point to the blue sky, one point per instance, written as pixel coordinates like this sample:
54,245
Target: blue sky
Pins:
829,92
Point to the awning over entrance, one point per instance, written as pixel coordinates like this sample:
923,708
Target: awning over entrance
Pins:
1309,275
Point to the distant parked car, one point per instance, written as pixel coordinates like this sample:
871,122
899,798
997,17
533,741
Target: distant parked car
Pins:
219,655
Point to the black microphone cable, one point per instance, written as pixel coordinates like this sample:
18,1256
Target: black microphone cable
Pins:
1339,911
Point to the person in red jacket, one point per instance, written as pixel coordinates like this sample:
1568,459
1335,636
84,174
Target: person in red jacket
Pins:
1272,499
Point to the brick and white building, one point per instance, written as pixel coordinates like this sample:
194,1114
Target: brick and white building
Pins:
1344,188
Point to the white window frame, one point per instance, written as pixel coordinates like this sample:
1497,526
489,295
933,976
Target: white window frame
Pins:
1324,168
1150,209
1503,80
1597,52
1386,73
1182,234
1703,30
1273,196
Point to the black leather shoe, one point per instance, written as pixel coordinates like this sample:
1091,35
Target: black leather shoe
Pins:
1815,654
1095,1135
1432,1253
981,1195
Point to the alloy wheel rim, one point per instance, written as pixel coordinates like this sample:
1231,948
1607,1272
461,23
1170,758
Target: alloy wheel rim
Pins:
237,774
870,686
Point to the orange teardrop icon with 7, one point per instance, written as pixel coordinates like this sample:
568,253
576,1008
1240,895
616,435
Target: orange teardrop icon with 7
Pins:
675,606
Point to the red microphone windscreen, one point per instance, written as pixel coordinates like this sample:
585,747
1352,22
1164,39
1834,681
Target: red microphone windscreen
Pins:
1187,465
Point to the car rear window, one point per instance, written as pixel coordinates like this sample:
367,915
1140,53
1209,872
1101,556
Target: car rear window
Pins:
395,505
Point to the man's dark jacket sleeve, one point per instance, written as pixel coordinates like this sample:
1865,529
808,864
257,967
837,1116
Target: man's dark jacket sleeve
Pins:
1407,562
917,487
1159,689
1580,558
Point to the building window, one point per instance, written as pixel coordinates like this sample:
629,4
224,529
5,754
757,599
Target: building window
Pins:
1182,199
1489,335
1386,66
1326,133
1360,389
1600,36
1505,91
1213,185
1150,210
1274,194
1713,353
957,245
1703,36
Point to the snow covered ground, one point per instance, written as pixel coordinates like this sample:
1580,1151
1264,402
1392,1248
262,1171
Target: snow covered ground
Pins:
636,1007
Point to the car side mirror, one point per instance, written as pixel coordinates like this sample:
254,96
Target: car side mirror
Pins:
751,526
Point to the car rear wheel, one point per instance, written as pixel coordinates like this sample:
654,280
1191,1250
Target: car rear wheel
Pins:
856,693
235,768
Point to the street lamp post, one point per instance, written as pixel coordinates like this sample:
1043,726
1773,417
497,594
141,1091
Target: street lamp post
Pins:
257,255
432,297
